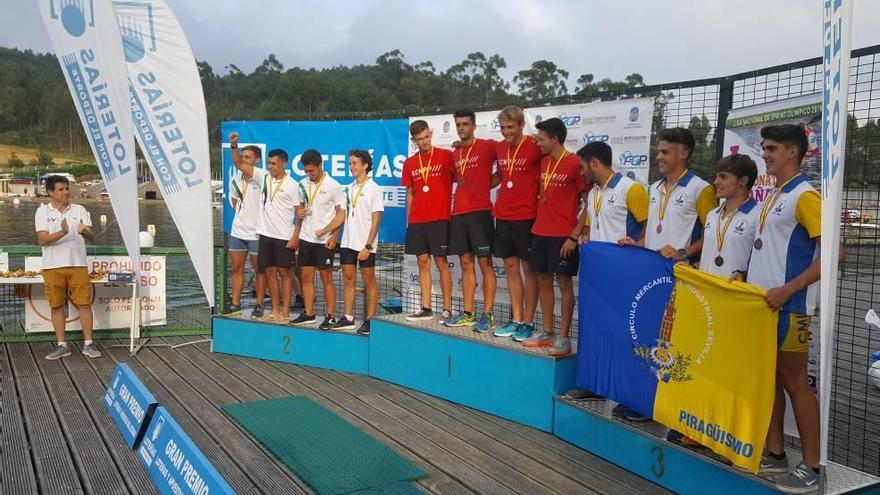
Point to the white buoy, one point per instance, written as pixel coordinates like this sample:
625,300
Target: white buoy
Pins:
151,229
103,219
146,240
16,201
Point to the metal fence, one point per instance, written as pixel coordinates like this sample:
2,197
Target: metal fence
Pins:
187,310
855,427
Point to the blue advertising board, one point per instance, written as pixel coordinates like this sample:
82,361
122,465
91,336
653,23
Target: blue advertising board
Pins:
130,404
174,462
386,140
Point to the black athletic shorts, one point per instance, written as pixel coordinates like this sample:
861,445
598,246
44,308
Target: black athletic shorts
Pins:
513,238
428,238
314,254
472,233
273,252
546,258
350,257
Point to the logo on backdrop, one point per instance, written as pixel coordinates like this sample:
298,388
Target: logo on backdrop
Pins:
591,137
75,15
628,159
446,127
137,28
634,114
570,121
538,119
495,125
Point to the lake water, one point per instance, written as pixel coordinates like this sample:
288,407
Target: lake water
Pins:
17,224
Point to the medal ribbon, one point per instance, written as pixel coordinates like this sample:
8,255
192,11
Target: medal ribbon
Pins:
510,163
462,165
768,205
549,176
597,199
668,194
425,171
310,197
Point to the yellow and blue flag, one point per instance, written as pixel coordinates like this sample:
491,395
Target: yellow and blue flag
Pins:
688,349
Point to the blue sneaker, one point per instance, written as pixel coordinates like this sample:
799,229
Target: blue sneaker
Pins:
507,330
461,320
523,331
485,323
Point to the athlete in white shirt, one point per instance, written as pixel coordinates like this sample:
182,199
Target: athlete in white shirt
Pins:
679,202
730,228
62,229
364,205
320,200
275,230
243,238
785,261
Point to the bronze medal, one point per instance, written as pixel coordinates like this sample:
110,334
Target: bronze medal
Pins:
759,243
719,261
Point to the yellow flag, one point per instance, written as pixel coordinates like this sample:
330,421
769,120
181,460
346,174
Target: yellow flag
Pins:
717,353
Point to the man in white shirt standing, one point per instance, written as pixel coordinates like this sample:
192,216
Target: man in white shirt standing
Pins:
320,200
364,205
62,229
243,239
275,257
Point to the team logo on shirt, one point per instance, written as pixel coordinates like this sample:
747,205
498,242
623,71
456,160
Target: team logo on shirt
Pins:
740,226
777,210
679,201
612,200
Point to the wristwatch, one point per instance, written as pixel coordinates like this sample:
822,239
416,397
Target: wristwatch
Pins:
682,254
368,246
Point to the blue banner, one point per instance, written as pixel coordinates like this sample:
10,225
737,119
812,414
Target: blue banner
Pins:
621,299
174,462
386,140
130,404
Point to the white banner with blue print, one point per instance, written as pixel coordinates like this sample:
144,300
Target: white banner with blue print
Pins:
86,39
171,123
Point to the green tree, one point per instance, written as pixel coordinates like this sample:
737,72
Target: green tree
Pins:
542,81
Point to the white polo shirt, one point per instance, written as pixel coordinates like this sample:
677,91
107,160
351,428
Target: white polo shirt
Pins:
323,208
279,198
690,200
70,250
359,213
788,242
622,207
737,242
247,213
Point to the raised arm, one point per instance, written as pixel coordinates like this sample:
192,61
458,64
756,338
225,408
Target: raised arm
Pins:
246,168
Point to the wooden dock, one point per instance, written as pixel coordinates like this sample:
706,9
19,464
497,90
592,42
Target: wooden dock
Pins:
56,436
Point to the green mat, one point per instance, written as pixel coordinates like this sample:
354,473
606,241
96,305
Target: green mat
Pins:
327,452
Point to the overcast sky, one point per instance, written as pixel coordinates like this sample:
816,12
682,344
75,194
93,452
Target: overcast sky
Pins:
665,41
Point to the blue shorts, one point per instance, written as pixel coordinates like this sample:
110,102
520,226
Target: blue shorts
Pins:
237,245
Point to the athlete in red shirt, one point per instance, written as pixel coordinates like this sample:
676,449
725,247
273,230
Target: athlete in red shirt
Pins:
555,233
427,176
473,228
518,162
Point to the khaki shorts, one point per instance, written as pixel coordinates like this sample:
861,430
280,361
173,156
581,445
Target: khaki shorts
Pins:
73,280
